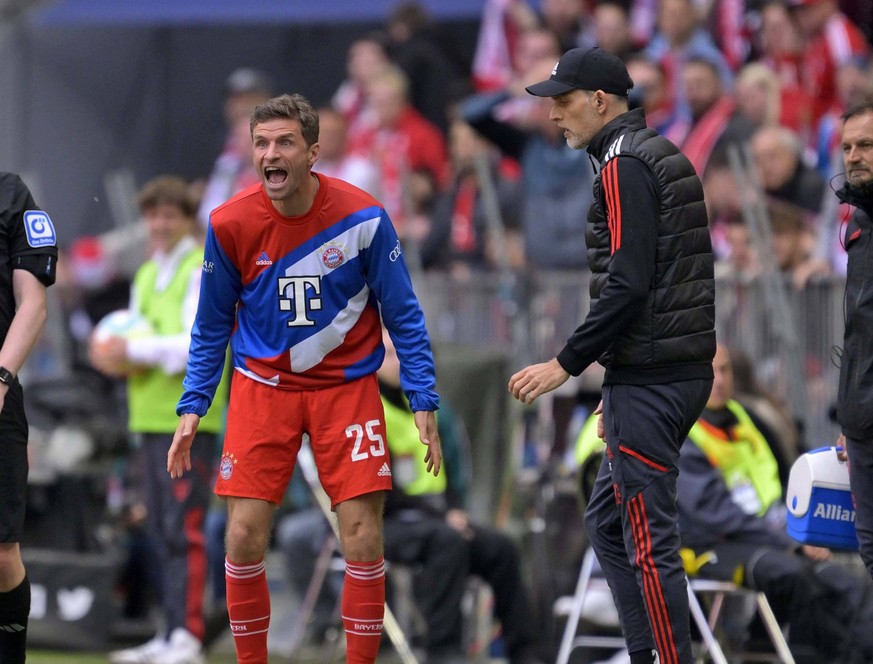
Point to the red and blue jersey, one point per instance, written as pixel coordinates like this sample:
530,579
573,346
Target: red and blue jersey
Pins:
300,298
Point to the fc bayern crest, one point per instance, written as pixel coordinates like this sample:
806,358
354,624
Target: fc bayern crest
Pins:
225,468
333,256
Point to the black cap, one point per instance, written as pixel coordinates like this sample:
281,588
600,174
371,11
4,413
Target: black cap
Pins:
581,69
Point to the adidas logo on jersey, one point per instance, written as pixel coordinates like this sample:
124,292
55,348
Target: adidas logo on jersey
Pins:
263,259
385,470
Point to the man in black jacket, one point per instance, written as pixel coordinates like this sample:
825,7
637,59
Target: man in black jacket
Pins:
651,324
855,395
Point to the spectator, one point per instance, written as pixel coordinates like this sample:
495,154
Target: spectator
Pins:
831,40
773,412
793,243
731,519
681,37
611,29
462,239
366,58
244,89
758,98
715,122
778,156
426,57
533,46
335,159
408,151
567,19
650,93
740,260
781,50
164,292
555,178
494,60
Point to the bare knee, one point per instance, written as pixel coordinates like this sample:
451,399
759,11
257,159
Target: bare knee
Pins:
360,525
362,541
245,542
248,530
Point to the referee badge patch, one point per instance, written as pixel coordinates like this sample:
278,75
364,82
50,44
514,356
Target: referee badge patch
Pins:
39,228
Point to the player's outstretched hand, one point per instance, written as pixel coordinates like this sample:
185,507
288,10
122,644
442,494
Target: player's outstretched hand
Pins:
425,421
536,380
179,456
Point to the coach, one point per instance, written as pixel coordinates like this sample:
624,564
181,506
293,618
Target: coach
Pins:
651,326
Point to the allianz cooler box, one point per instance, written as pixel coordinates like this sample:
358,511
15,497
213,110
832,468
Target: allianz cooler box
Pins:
819,500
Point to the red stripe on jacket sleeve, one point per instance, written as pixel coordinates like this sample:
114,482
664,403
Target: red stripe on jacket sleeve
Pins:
613,205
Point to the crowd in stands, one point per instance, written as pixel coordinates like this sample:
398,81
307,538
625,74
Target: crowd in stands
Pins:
413,123
766,80
477,178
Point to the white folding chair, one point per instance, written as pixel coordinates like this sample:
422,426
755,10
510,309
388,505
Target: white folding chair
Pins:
706,622
570,639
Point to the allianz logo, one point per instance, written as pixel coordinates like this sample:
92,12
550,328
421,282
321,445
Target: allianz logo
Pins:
833,512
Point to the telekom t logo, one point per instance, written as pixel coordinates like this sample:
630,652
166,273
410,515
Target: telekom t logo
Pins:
300,295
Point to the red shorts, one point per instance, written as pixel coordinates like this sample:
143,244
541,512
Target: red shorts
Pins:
265,426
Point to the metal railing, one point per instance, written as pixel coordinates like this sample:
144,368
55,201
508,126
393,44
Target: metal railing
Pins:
530,317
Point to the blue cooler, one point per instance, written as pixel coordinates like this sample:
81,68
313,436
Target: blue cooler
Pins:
820,507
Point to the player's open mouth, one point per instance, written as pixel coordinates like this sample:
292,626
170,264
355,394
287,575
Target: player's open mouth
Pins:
275,175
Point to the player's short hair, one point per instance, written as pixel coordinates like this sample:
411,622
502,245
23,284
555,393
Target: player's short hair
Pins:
167,190
860,108
289,107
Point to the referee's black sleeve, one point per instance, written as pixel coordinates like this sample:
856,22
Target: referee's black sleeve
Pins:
631,202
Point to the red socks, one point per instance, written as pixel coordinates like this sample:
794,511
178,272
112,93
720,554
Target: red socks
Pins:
363,608
248,606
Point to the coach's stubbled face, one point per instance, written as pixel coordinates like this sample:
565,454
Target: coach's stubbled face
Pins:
857,148
282,157
574,112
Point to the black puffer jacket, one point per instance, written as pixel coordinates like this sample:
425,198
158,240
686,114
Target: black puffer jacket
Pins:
658,216
855,395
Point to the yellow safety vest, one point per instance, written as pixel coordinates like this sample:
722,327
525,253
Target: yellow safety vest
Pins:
744,458
152,395
407,454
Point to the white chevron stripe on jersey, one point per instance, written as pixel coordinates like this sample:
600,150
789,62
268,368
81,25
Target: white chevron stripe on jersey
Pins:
251,374
312,350
351,240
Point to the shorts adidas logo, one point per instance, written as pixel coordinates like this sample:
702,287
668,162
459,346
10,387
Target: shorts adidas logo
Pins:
385,470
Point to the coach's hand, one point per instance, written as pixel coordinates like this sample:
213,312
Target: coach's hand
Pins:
536,380
179,456
425,422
